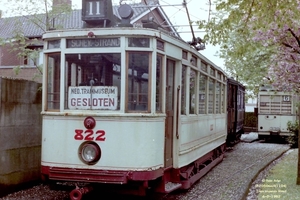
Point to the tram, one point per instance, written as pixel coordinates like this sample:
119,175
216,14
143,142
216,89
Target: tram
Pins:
235,111
130,106
275,110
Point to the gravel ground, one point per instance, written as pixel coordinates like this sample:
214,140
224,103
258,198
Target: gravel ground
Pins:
235,174
230,180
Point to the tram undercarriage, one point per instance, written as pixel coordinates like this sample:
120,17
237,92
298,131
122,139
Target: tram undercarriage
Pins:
171,180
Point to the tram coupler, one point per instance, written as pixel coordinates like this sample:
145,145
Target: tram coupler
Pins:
78,192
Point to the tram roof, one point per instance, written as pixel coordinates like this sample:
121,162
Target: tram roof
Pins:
33,26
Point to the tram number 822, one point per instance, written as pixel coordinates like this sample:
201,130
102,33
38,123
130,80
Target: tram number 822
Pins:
89,135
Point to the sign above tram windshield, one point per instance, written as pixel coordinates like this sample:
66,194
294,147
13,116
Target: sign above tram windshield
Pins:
93,42
96,97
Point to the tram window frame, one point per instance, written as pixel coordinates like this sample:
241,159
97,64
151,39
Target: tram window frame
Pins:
223,98
194,60
97,72
192,91
136,105
141,42
183,89
160,45
218,97
204,66
53,81
203,80
159,82
211,96
53,44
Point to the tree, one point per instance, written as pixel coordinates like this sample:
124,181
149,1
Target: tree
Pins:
233,25
259,39
44,15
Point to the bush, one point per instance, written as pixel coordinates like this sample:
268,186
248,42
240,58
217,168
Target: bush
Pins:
250,119
293,138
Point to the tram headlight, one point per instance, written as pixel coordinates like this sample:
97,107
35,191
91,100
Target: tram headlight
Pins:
89,153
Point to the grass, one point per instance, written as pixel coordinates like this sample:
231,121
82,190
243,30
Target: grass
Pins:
280,183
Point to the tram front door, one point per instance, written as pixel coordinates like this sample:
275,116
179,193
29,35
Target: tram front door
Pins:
170,72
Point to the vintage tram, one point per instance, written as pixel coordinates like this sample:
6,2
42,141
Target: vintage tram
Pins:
235,111
275,110
130,106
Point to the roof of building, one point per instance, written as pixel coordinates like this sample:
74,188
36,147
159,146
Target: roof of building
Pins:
33,26
26,73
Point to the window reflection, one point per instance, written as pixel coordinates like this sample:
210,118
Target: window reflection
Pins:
93,81
53,82
138,81
158,98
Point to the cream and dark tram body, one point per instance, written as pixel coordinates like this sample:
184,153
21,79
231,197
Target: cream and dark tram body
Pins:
125,105
275,110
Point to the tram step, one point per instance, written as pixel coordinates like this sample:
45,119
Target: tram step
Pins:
169,186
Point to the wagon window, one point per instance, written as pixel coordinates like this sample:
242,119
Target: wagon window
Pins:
53,81
223,98
202,92
93,81
183,90
218,97
138,81
211,96
159,64
192,96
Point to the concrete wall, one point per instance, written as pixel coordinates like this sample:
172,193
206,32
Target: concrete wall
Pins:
20,133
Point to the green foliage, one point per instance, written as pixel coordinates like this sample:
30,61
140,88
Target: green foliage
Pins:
293,127
234,25
250,119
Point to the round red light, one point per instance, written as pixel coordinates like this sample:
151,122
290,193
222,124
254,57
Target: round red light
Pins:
89,123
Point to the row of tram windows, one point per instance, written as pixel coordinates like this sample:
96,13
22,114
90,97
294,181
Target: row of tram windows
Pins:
205,93
93,82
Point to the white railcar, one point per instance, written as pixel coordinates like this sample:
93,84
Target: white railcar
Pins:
275,110
126,105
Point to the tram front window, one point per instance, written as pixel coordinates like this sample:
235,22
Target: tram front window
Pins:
53,78
93,81
138,81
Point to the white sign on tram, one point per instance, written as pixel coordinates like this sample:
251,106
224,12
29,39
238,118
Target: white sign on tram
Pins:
96,97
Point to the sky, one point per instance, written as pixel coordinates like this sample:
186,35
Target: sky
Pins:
198,10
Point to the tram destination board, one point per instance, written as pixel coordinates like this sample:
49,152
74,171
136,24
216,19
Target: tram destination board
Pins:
93,42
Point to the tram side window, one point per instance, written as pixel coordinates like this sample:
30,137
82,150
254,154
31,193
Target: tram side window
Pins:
218,97
193,84
53,81
93,81
211,99
159,83
183,90
202,92
138,81
223,105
